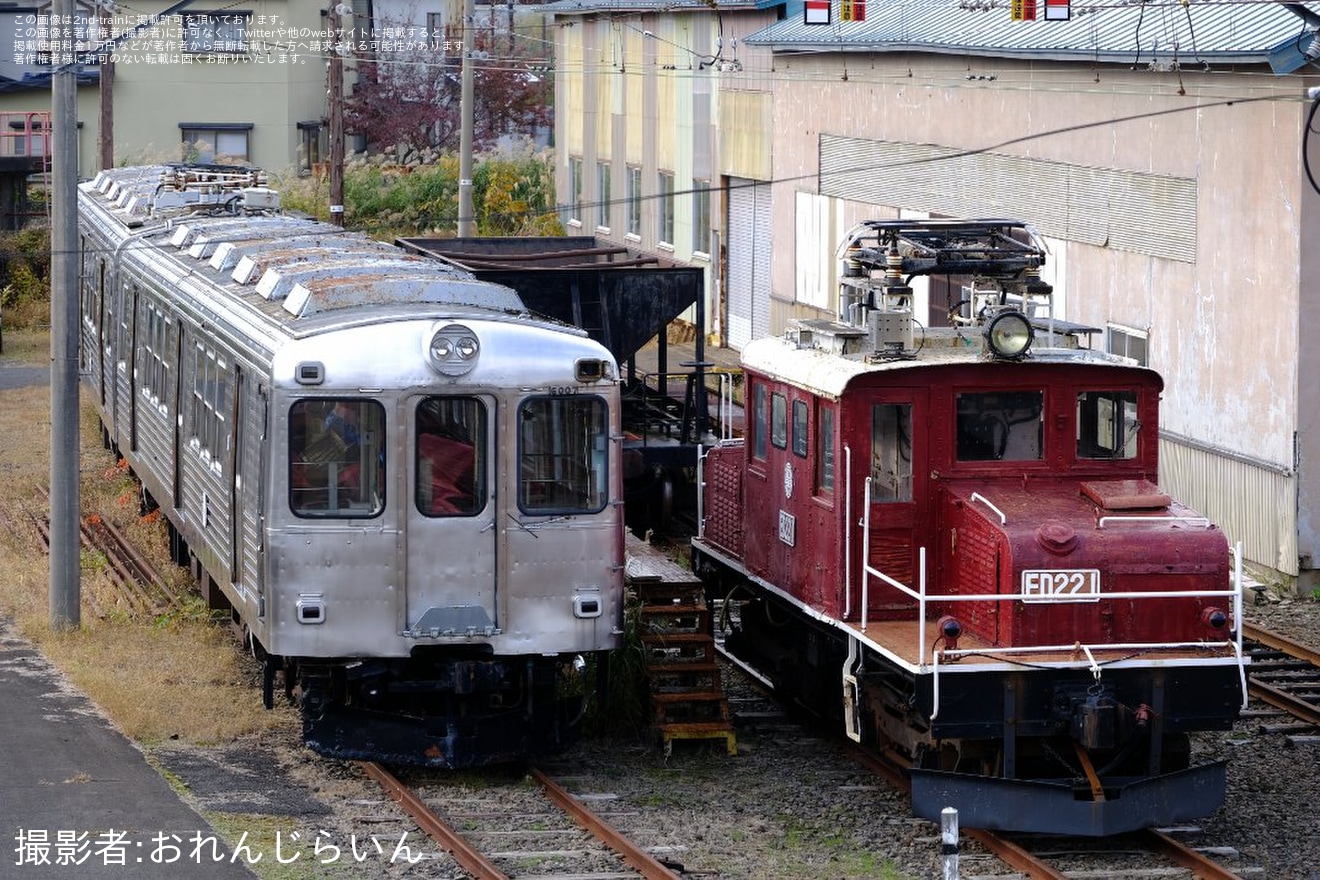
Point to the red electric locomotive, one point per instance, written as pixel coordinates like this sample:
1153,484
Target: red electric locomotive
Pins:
952,540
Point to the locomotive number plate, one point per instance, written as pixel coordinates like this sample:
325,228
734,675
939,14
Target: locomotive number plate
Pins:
1061,585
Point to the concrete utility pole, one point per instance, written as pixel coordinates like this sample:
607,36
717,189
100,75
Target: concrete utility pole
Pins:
466,218
337,117
107,89
65,556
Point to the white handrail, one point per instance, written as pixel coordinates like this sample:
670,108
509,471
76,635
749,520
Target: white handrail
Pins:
1198,520
847,531
977,496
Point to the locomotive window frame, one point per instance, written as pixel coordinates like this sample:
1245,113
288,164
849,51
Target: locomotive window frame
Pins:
825,449
760,420
337,462
1108,424
563,461
992,425
450,451
778,420
800,436
891,452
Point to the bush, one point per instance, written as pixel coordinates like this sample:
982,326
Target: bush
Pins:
25,277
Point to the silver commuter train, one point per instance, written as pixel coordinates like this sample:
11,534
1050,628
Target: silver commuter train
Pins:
406,487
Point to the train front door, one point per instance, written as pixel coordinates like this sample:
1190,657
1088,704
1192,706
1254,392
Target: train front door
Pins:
451,564
898,472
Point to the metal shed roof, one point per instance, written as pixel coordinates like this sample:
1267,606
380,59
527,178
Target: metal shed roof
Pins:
1160,32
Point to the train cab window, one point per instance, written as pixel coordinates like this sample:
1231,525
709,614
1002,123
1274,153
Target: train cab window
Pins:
1001,426
891,452
451,455
800,428
336,460
779,421
1107,424
562,453
760,422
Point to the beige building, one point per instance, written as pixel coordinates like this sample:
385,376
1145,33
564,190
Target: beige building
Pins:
244,83
1161,157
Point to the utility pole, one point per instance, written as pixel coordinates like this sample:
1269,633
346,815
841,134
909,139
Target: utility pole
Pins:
466,224
106,129
337,117
65,555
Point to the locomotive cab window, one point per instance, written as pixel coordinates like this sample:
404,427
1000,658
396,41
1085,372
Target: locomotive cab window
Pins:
760,422
891,452
779,421
1001,426
336,462
800,428
563,443
1107,424
451,456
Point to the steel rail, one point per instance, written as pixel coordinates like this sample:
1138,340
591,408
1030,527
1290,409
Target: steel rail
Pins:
634,855
468,858
1274,640
1202,866
1281,699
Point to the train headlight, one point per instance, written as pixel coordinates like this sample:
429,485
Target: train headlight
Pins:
593,370
1215,618
949,629
454,350
1009,335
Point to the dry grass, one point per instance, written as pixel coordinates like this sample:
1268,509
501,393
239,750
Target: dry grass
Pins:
176,675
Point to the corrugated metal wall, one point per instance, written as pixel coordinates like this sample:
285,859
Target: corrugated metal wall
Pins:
1150,214
1253,502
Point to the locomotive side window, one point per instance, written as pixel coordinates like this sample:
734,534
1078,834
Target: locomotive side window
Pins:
800,428
825,450
1001,426
760,423
336,464
891,452
1107,424
779,421
451,456
562,451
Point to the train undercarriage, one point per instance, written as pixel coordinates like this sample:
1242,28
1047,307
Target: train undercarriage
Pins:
1020,750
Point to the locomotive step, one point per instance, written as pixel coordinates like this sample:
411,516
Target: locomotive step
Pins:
699,730
687,696
683,666
670,639
673,610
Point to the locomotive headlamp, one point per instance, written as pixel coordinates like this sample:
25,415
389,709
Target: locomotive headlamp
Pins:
1215,618
1009,335
454,349
950,629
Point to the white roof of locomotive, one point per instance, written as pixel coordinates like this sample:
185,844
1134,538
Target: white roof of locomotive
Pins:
828,373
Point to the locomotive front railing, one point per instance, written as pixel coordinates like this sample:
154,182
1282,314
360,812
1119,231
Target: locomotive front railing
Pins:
923,598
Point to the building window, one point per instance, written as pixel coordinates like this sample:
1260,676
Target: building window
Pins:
207,33
575,189
634,201
309,146
215,143
435,30
603,195
701,216
665,202
1127,342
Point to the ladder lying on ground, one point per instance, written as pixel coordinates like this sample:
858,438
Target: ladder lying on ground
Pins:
687,691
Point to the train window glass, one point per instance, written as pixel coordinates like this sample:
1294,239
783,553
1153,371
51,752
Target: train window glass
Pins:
336,458
562,453
210,405
451,455
1000,425
800,428
761,425
779,421
825,450
1107,424
891,452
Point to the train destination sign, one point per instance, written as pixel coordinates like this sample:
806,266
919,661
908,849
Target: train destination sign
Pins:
1061,585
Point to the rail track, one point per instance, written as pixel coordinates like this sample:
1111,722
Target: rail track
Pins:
558,834
1285,674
